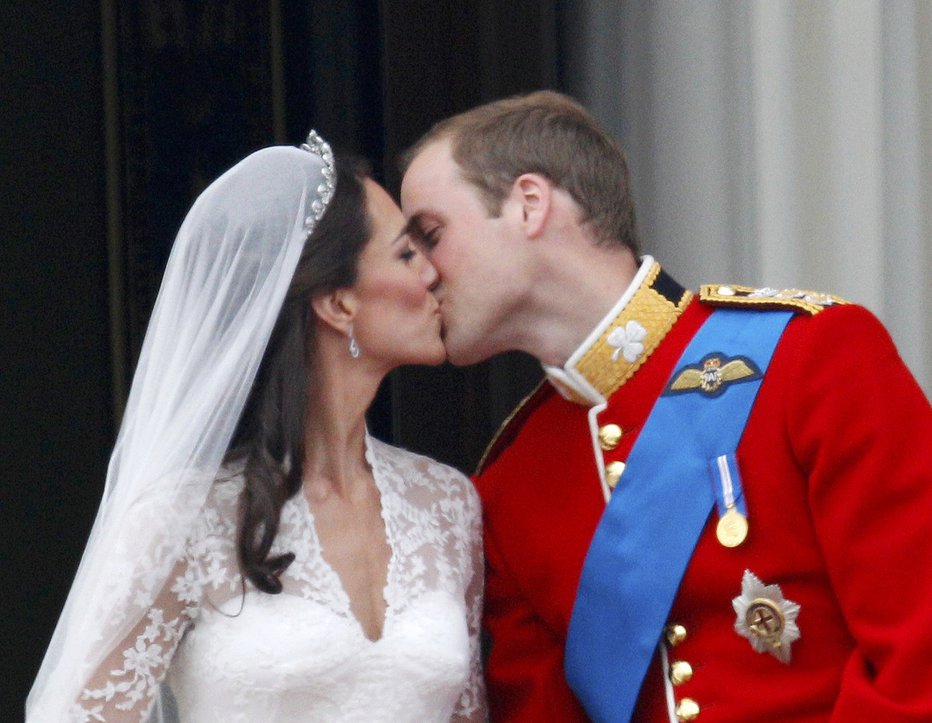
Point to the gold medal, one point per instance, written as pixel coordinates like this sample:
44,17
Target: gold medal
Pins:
732,528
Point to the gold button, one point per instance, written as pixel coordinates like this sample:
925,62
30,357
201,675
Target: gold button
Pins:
726,291
687,709
613,472
609,436
676,634
680,672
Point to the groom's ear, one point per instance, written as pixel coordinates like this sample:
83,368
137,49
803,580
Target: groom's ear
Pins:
533,194
336,308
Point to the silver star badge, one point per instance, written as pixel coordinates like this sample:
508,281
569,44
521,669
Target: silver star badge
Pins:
765,617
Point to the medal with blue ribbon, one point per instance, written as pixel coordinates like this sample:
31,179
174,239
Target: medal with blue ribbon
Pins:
732,527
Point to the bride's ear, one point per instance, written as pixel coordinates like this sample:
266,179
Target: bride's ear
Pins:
336,309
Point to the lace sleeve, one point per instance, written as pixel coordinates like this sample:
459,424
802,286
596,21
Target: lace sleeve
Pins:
472,704
125,685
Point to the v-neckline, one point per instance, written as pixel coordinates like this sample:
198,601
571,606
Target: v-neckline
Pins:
330,572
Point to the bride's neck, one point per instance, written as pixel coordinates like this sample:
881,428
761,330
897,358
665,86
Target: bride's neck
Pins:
339,393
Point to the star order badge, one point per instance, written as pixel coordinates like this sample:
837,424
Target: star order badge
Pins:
765,617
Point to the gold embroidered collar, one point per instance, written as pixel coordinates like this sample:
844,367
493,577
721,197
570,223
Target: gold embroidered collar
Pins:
624,339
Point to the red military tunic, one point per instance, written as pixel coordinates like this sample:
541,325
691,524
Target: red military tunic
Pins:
836,461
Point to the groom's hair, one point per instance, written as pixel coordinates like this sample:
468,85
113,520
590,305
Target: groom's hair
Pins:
547,133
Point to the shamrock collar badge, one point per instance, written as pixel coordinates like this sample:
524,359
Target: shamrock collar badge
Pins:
627,341
765,617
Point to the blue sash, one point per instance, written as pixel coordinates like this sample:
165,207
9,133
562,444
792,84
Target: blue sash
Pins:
647,534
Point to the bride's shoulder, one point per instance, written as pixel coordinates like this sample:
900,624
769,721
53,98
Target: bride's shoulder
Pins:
218,514
226,487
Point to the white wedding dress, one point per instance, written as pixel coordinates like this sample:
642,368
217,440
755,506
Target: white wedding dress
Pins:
301,655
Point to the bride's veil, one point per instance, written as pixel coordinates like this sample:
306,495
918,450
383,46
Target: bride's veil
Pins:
226,278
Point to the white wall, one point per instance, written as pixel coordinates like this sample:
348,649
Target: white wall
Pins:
775,142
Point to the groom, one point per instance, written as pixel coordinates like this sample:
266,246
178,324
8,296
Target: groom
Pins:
717,506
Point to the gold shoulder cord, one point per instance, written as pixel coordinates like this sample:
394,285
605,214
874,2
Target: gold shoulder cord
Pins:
734,296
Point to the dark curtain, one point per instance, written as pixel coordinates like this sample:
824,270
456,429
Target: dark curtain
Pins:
114,117
55,392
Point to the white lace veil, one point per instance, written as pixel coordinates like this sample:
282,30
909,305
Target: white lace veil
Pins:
226,279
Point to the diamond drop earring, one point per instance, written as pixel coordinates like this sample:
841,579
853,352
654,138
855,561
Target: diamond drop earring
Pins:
353,346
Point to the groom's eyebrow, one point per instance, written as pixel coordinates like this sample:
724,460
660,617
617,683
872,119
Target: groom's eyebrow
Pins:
413,224
413,229
416,223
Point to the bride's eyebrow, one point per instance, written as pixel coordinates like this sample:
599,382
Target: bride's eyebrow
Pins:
406,231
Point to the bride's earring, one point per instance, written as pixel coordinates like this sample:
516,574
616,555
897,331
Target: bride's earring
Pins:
353,346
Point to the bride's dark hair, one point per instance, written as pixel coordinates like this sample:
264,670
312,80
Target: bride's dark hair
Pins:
269,439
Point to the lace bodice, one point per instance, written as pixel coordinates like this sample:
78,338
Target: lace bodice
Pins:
301,655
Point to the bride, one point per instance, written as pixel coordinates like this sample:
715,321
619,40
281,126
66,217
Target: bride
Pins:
257,555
